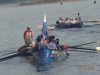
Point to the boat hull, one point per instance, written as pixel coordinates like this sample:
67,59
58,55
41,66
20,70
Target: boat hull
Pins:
46,55
63,25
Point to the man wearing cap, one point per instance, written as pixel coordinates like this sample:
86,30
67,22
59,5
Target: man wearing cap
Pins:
28,36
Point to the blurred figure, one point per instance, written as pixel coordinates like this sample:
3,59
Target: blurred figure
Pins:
79,17
57,44
94,2
28,36
51,45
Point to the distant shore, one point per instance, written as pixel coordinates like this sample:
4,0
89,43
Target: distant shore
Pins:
44,2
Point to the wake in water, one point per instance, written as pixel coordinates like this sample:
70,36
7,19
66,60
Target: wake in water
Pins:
41,67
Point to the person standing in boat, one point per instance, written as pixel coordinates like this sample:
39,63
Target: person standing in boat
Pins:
28,36
79,17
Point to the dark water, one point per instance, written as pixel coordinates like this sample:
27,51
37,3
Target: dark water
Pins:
14,21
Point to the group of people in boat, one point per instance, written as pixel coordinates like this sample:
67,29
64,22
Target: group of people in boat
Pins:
41,41
69,21
50,43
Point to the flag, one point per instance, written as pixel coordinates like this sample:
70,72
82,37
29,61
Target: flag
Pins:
44,28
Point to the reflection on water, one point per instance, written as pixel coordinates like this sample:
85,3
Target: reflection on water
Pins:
40,67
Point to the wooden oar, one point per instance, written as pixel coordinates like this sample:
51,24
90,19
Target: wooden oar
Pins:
84,48
12,55
78,46
91,21
49,26
15,51
9,57
9,53
85,44
83,51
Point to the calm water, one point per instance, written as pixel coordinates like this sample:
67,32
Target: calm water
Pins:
15,19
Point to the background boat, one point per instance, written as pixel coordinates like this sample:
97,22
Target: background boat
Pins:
63,25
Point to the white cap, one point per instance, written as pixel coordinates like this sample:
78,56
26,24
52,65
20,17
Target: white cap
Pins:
28,27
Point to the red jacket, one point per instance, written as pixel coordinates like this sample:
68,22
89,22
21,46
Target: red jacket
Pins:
25,34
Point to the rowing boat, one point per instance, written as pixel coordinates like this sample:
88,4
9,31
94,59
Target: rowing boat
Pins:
44,55
71,25
63,25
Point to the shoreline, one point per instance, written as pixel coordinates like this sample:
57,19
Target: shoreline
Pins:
45,2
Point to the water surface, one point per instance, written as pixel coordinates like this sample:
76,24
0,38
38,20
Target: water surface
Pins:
14,20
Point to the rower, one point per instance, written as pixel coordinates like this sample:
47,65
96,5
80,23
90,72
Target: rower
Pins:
77,21
73,21
41,43
53,39
60,20
79,17
39,37
38,45
67,21
57,44
51,45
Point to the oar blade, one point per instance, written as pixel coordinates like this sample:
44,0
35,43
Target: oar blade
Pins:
97,48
